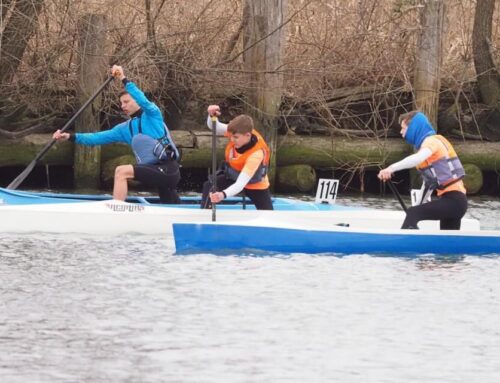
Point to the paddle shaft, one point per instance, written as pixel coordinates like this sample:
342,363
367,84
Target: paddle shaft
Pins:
21,177
398,196
214,164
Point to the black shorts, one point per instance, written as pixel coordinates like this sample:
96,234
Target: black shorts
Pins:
260,198
164,176
448,209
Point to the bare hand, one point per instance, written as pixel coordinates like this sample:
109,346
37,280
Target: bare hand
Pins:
58,136
213,110
117,71
385,174
216,197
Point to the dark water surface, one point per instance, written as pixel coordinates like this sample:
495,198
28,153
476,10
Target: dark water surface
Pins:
124,309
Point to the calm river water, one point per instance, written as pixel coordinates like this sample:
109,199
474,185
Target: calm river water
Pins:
124,309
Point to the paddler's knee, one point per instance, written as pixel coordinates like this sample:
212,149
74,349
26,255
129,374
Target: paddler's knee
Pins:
124,172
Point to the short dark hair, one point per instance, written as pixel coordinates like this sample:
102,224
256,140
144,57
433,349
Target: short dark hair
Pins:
407,116
122,93
240,124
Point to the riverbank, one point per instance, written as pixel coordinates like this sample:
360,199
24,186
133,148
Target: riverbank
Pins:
355,161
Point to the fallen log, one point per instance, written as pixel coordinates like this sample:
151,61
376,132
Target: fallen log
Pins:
295,178
318,152
473,179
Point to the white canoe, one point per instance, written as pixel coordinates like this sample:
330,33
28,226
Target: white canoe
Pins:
116,217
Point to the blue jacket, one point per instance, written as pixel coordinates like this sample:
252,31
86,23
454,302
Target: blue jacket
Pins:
151,119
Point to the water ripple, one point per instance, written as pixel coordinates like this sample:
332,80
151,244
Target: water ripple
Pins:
123,309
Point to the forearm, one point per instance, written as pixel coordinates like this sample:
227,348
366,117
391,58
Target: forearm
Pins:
411,161
99,138
238,185
220,128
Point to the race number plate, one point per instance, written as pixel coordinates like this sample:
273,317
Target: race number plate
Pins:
416,197
327,191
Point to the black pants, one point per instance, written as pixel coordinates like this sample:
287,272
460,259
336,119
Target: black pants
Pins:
164,176
448,209
260,198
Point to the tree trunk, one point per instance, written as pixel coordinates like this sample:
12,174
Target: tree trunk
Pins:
264,43
5,5
488,78
16,35
428,59
150,29
92,68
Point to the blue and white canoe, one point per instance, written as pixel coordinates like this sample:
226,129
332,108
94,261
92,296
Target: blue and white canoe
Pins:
17,197
260,238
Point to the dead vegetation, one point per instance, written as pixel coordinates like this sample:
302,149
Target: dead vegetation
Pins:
348,68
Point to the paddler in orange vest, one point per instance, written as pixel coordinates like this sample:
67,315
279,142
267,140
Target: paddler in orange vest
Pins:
441,170
245,166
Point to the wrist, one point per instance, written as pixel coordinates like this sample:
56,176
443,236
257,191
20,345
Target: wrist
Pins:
224,195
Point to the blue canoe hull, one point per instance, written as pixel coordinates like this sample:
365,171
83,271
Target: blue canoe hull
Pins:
226,238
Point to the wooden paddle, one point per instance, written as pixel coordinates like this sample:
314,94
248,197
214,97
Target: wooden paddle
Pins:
397,195
214,163
21,177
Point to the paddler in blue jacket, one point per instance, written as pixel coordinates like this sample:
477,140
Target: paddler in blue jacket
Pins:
147,133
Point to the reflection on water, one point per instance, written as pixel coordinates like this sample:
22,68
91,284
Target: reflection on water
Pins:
124,309
441,262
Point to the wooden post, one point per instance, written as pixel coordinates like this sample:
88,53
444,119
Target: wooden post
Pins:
264,43
428,59
488,76
92,70
16,33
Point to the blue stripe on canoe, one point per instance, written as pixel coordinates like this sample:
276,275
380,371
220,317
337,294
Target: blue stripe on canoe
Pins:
16,197
213,238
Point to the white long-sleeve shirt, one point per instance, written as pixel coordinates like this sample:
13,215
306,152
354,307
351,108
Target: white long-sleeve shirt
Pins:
411,161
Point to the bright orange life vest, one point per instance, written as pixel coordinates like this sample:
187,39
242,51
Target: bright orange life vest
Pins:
442,170
237,161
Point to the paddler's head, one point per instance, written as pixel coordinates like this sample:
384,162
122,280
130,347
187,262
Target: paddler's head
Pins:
128,104
415,127
240,129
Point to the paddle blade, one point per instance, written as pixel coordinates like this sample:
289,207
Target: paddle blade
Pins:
21,177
